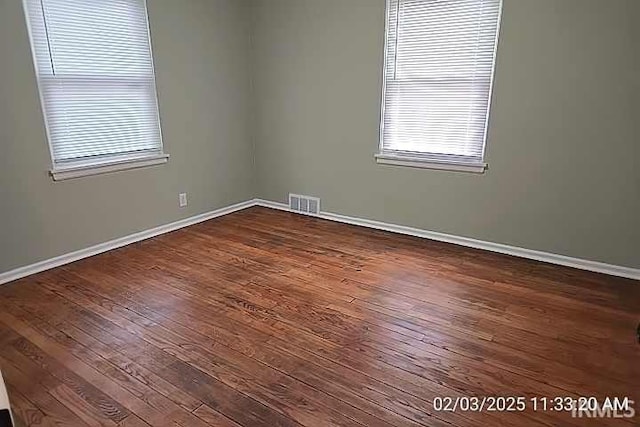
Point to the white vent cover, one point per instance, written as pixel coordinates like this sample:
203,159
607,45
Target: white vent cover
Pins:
304,204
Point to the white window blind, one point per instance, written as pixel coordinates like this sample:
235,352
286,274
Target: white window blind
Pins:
439,62
95,74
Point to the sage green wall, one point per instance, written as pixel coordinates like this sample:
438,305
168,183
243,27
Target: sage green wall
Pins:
564,138
202,58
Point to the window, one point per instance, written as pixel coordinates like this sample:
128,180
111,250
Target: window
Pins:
97,86
438,72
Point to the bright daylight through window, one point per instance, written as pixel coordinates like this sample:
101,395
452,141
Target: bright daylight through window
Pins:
96,79
438,72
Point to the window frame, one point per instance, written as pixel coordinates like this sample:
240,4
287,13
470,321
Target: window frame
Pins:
80,167
425,160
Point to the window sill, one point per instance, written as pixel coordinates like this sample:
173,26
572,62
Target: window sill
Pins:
418,162
77,170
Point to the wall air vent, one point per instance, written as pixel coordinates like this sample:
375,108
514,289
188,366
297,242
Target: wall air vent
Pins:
304,204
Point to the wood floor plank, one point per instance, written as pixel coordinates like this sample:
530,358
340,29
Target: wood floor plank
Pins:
193,322
578,330
235,379
214,417
212,349
268,318
25,412
85,303
80,388
21,384
133,421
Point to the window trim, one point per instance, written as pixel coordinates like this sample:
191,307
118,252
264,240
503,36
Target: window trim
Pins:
82,167
423,162
432,160
77,169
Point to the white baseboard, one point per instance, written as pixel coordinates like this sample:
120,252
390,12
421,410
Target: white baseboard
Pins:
38,267
614,270
599,267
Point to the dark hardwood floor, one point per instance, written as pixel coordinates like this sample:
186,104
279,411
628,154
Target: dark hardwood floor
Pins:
264,318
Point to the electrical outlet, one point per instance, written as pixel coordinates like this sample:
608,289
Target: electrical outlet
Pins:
183,199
